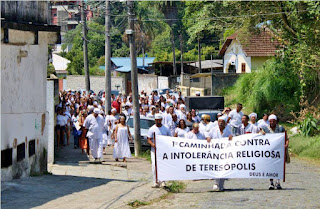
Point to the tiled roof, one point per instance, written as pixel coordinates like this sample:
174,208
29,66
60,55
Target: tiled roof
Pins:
262,44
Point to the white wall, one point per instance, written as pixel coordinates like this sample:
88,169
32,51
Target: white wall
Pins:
23,100
50,110
145,82
235,52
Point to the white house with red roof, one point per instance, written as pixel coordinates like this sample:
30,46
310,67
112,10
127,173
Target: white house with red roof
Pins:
247,54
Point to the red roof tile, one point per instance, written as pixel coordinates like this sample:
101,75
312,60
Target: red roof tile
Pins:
261,44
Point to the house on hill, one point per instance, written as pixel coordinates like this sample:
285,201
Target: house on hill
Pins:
243,56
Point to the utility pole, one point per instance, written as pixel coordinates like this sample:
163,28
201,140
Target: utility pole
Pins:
107,60
134,79
174,52
181,49
85,46
199,55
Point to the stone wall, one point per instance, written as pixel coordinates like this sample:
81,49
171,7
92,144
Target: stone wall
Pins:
220,81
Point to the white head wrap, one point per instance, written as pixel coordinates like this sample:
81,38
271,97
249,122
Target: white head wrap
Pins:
182,106
114,110
95,103
224,117
158,116
254,115
96,110
272,117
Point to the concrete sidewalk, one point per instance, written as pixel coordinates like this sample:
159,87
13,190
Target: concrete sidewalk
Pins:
76,183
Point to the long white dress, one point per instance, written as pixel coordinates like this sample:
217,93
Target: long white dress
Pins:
121,148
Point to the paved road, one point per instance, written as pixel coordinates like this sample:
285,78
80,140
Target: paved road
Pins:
77,184
301,190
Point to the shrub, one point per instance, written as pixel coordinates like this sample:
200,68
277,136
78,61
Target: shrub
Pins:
308,126
272,88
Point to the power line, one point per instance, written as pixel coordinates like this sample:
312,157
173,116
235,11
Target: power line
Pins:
217,18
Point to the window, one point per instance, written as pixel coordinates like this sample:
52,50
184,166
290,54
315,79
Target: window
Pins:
21,152
243,68
6,158
32,147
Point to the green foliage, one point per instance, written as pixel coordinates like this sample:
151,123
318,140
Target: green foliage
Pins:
124,51
273,88
305,146
138,203
146,154
175,186
309,126
50,70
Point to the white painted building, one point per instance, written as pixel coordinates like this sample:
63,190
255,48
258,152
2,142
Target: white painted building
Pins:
24,115
243,56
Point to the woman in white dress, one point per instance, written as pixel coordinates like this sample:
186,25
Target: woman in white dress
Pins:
122,136
182,129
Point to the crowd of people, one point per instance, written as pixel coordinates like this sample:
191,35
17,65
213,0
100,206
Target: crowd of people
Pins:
93,130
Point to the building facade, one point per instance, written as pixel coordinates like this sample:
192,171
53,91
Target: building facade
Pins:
249,53
24,59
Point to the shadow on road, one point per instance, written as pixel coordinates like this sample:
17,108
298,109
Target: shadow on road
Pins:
36,191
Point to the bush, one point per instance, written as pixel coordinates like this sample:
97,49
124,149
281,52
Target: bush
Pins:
273,88
308,126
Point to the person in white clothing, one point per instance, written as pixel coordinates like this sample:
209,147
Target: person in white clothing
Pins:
182,129
253,119
182,113
264,122
94,124
206,125
156,129
195,133
109,125
234,119
122,136
221,131
246,127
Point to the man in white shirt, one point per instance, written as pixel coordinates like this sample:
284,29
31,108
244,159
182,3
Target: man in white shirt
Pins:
235,119
246,127
195,133
220,131
94,123
156,129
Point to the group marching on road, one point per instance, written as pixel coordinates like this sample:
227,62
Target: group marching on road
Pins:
93,130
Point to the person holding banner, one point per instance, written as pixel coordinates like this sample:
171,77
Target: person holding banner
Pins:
273,127
220,131
195,133
156,129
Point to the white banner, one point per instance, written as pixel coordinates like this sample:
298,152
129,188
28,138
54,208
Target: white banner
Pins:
245,156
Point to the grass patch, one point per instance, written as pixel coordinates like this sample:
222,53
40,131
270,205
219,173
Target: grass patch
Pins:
146,155
307,147
172,187
138,203
175,186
